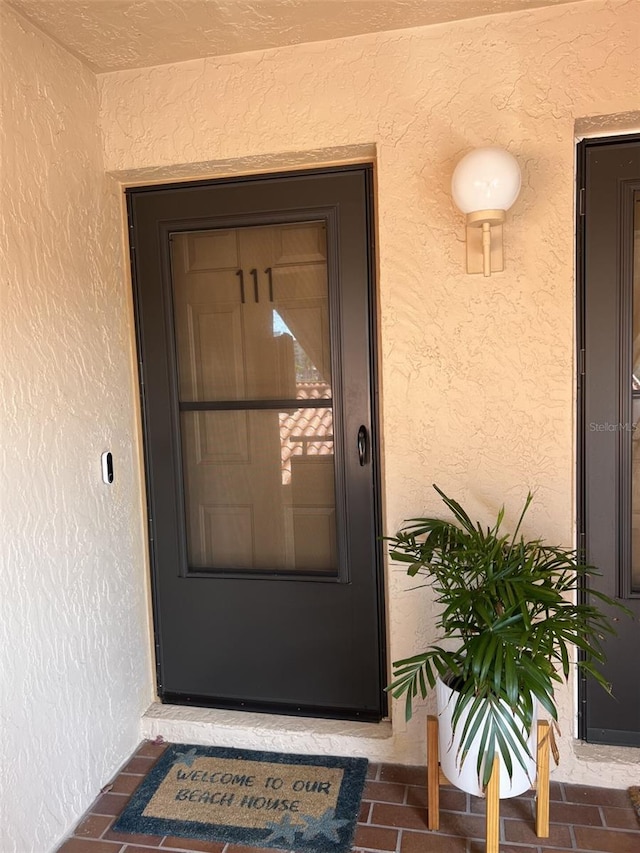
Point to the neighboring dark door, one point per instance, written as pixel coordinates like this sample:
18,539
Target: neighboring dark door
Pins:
254,305
609,321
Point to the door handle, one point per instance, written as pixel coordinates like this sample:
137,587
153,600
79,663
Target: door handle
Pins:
362,445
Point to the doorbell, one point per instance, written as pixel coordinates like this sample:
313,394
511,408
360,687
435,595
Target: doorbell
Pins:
107,467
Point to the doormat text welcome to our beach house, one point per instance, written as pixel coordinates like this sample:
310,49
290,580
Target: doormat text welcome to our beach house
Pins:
259,799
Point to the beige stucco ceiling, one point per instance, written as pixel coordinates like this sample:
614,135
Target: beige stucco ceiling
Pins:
114,34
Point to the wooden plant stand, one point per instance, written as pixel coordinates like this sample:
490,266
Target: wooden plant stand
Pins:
435,778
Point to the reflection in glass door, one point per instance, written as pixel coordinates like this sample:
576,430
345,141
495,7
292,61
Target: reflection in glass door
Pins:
255,396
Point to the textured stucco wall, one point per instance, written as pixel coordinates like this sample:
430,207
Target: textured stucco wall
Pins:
477,375
74,647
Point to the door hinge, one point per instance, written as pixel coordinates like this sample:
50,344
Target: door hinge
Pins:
150,529
581,201
159,683
582,546
141,387
131,227
132,232
581,362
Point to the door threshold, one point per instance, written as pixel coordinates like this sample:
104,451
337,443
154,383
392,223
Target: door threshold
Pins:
250,730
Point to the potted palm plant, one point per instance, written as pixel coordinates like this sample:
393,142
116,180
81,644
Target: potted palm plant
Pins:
512,613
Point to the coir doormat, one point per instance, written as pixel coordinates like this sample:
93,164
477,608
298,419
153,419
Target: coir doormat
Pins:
259,799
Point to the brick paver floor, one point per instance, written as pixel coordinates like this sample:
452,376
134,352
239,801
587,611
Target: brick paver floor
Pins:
393,819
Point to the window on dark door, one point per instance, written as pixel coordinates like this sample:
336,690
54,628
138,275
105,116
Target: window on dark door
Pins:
251,318
254,305
609,329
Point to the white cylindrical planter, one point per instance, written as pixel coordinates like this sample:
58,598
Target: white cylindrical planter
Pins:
465,777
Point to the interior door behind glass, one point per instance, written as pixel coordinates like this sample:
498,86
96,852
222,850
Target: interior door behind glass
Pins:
254,364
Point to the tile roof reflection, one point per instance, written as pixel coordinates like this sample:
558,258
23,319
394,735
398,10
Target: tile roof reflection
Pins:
306,432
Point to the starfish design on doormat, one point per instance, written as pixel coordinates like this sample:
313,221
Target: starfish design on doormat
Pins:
185,757
327,824
285,830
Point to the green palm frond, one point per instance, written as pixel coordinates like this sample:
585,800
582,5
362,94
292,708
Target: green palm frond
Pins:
509,603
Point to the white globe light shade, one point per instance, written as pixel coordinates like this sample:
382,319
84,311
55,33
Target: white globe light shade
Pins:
486,179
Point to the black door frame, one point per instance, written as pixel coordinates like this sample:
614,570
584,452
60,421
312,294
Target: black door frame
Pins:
620,586
373,450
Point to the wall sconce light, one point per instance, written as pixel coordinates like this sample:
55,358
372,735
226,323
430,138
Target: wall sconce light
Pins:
485,184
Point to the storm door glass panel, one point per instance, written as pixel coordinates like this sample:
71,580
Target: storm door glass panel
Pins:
254,381
635,441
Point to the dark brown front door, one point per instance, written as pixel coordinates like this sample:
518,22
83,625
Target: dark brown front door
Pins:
254,304
609,326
